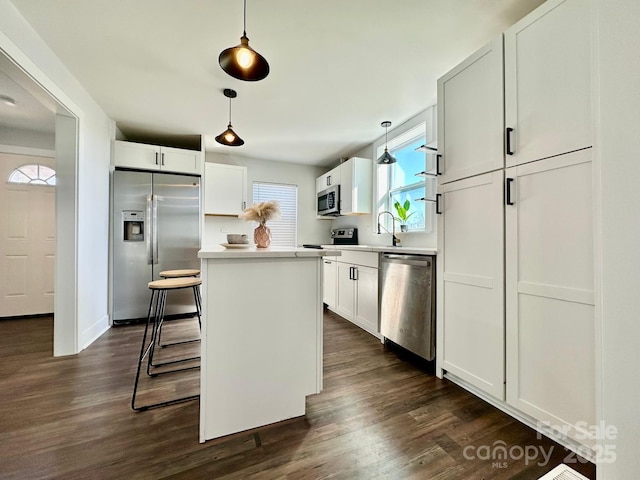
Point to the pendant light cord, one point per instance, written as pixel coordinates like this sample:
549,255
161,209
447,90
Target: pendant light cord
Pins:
229,110
244,31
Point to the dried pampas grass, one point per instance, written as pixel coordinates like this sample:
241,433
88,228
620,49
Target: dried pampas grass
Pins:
261,212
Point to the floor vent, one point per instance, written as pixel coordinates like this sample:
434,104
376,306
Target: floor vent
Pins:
562,472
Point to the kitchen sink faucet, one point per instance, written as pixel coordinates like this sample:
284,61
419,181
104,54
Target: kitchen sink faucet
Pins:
394,239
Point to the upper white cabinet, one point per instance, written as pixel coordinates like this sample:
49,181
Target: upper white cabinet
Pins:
550,297
470,115
154,157
355,186
225,189
470,313
547,82
329,179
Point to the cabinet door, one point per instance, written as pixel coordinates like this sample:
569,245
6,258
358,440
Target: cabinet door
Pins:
470,115
345,301
179,160
136,155
367,299
225,189
329,284
550,292
547,81
471,281
355,186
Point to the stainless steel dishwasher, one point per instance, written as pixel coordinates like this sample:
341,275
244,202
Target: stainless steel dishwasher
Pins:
407,302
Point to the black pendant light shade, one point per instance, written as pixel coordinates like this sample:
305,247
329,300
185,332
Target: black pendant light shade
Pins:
386,158
242,61
229,137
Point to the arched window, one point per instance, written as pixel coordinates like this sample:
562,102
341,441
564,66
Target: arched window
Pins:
34,174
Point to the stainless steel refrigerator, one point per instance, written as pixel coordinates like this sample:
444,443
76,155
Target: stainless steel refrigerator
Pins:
156,227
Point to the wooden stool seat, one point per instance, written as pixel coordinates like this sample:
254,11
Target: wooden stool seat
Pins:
174,283
187,272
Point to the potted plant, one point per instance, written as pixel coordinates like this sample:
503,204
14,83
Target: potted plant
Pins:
403,214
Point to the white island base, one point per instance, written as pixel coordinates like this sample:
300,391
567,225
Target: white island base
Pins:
261,337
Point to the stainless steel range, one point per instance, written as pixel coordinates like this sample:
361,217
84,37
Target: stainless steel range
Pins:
344,236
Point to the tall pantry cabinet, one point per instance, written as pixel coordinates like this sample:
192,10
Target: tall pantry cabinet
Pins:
516,277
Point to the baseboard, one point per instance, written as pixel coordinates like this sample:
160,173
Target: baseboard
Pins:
568,443
93,332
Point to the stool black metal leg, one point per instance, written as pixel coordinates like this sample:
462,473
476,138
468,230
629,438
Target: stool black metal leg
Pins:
143,352
198,299
158,323
198,312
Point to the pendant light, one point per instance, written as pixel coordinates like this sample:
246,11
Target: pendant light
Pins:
242,61
386,158
229,137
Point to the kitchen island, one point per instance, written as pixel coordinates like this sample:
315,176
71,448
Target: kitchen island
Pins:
261,336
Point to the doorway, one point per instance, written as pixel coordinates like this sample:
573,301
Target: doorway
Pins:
63,123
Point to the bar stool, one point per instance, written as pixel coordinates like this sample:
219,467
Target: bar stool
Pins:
155,318
187,272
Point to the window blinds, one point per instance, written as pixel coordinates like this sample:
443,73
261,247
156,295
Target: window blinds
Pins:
284,231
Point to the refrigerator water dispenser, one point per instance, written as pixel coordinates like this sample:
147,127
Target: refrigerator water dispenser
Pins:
133,225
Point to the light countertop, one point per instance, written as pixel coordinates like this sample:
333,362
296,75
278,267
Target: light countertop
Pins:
218,251
382,248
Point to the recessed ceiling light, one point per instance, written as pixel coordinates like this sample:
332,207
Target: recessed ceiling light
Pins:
7,100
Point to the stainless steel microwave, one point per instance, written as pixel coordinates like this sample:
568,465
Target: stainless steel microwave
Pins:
329,201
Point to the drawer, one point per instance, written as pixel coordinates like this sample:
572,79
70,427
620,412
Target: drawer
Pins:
367,259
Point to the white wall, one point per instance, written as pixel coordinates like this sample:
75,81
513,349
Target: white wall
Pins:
618,157
310,230
21,43
367,224
27,138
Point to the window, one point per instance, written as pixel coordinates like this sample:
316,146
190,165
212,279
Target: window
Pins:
34,174
400,181
284,231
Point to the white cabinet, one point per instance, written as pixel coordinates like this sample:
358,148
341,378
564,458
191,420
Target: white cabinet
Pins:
154,157
516,294
329,179
357,289
329,282
470,115
470,293
550,299
355,186
225,189
547,82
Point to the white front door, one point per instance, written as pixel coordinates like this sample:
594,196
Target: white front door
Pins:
27,241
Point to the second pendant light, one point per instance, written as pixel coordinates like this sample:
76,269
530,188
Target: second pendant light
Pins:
386,158
229,137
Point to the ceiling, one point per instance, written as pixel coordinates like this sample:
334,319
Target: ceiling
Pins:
338,67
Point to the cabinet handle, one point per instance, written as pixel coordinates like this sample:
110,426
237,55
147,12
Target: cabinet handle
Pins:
350,273
244,205
328,180
328,262
355,273
438,211
508,140
507,189
156,158
162,160
438,157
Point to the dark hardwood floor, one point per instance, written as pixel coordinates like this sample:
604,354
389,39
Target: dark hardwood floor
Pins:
379,417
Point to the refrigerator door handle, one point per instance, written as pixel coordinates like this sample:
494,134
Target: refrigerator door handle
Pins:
154,223
147,222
